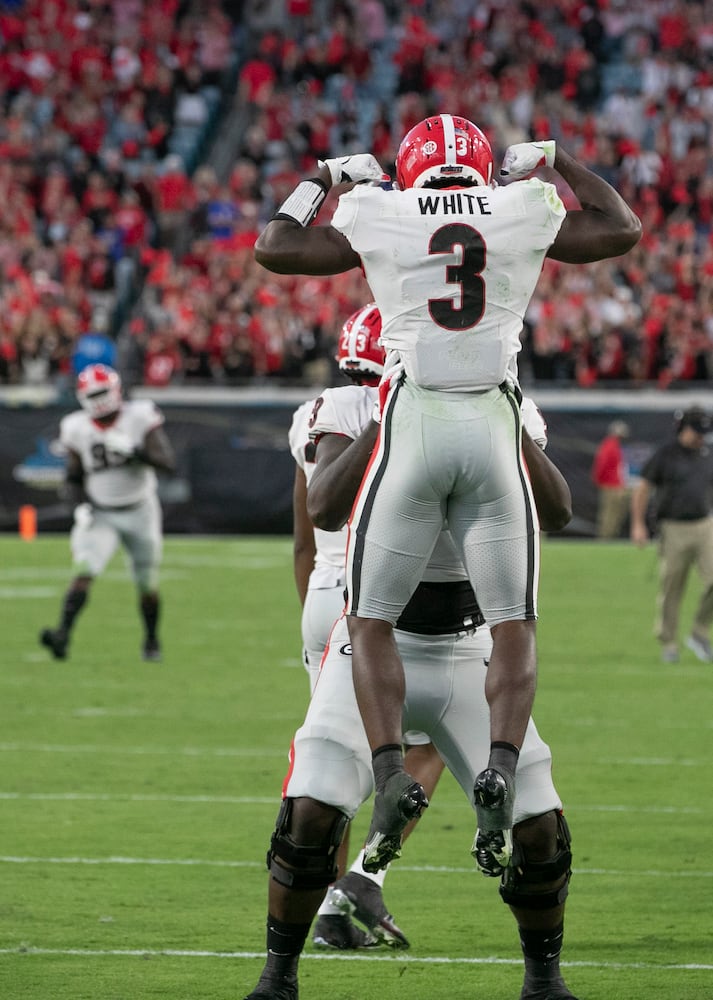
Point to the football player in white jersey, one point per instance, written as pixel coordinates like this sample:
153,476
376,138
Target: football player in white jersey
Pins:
320,577
114,448
319,555
445,648
452,260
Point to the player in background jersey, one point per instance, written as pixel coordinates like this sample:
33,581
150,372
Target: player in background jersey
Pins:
320,577
319,555
452,260
114,448
445,648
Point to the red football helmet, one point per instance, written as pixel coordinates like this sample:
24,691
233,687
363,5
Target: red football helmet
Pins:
360,354
99,390
444,148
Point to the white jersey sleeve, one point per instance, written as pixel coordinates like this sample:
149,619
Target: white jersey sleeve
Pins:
330,546
452,272
298,434
343,410
112,480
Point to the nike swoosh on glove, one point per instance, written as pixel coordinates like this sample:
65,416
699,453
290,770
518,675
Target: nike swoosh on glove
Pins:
524,157
361,168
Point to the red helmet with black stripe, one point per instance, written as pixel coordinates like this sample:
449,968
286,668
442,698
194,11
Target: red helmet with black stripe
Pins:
444,149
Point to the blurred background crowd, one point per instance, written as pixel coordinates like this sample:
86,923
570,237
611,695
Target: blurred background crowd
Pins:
143,145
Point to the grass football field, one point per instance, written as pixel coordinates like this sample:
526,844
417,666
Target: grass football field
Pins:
137,800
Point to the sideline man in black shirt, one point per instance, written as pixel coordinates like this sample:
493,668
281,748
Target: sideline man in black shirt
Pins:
680,474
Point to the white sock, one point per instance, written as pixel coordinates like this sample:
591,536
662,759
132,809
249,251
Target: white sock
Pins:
377,877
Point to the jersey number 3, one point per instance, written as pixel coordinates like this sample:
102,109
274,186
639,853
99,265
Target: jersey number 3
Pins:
455,314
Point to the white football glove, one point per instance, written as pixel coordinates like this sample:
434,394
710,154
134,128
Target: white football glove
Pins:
360,169
119,443
524,157
393,370
534,422
83,515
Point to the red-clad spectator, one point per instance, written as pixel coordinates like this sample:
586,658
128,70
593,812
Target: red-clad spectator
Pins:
85,123
9,358
175,199
610,473
214,50
88,60
162,362
256,82
131,219
99,200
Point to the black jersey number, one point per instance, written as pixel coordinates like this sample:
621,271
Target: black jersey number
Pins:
105,458
460,314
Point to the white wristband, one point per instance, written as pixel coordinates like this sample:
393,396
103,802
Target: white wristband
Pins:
303,204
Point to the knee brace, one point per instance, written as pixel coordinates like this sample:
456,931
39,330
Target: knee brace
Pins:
522,878
313,867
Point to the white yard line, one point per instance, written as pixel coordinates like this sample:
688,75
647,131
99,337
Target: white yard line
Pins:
432,869
83,748
142,751
271,800
403,959
239,800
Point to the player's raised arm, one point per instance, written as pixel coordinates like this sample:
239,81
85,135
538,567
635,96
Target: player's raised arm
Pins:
604,227
289,244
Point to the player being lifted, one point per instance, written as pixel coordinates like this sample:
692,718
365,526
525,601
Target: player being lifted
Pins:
452,260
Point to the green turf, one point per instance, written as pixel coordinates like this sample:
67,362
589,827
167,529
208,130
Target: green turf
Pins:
137,799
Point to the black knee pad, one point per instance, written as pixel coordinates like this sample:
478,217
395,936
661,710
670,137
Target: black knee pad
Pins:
521,879
313,867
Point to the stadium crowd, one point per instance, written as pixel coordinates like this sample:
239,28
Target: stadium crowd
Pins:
106,223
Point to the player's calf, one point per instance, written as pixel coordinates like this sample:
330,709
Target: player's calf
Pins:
535,885
302,859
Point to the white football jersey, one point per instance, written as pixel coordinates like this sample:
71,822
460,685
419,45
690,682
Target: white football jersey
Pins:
330,546
111,480
452,272
347,410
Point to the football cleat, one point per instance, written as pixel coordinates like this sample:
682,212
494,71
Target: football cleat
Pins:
337,931
548,991
492,847
282,989
151,651
358,897
402,800
56,640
